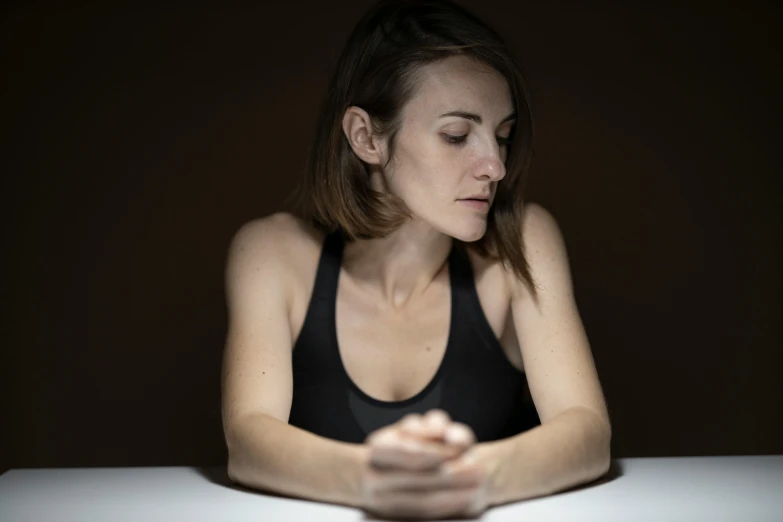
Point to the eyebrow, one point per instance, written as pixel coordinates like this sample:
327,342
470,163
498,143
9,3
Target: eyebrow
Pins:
475,117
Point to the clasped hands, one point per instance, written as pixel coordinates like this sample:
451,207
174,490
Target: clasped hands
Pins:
424,467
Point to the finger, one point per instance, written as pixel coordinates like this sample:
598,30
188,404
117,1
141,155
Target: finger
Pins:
460,435
437,418
412,425
431,424
441,478
391,451
409,454
434,423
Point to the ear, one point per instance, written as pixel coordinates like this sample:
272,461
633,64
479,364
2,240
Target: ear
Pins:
357,127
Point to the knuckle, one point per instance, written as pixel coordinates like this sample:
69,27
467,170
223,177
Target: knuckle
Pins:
411,417
462,427
462,433
380,435
437,412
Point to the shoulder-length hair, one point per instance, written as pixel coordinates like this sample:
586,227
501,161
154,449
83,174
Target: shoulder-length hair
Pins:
377,72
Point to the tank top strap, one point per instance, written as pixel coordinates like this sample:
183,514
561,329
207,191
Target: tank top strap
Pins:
461,273
327,275
466,306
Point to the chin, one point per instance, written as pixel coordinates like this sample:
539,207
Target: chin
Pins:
465,228
467,233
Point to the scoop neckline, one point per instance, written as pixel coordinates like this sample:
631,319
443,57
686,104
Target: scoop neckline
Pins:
435,378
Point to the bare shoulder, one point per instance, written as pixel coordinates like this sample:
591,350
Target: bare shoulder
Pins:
544,250
281,245
539,227
283,230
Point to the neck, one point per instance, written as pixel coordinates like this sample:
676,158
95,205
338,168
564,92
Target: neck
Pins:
401,265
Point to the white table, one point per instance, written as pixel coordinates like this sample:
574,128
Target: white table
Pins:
746,489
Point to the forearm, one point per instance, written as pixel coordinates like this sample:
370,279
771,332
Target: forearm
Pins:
570,449
268,454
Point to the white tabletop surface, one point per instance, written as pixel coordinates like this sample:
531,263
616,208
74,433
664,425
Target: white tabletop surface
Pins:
747,489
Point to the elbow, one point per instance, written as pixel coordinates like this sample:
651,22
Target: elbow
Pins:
603,464
236,466
232,467
244,441
603,449
240,468
598,460
598,442
234,470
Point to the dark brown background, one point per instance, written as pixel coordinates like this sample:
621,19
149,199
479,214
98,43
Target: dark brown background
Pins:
138,140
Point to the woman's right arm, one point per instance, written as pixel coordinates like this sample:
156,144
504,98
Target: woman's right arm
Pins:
264,451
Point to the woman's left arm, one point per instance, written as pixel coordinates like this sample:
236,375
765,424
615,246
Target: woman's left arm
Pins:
572,444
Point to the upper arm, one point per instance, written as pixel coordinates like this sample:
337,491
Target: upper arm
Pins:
558,362
257,373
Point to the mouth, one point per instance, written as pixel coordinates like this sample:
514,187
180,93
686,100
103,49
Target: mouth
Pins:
475,203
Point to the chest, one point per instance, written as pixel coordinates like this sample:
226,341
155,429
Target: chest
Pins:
392,355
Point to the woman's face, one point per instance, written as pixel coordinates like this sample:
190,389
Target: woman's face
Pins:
450,151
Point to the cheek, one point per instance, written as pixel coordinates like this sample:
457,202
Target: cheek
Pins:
425,173
428,182
435,171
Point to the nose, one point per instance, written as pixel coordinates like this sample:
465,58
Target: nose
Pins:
490,166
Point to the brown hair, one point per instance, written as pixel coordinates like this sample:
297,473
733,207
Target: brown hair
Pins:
377,71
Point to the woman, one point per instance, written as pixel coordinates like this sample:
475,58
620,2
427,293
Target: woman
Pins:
378,346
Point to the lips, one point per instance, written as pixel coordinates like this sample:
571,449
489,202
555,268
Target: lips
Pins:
478,198
476,203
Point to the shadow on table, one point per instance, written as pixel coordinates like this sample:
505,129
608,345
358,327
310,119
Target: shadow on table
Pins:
615,471
219,476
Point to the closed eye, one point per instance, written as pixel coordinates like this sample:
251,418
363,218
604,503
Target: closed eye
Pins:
455,140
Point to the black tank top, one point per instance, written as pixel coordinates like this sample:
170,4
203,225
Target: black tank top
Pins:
475,383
